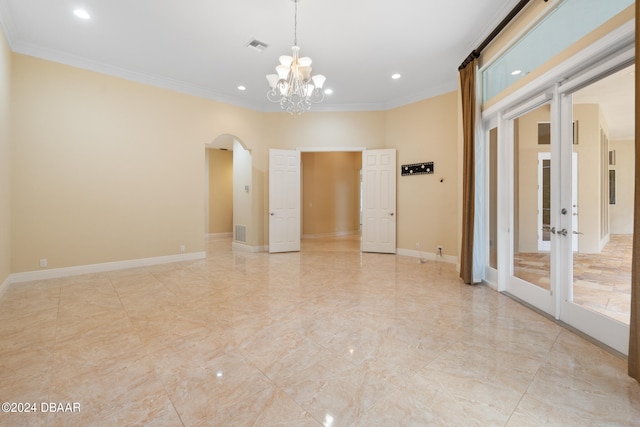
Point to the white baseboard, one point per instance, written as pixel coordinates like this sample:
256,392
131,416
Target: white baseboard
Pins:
334,234
427,256
99,268
5,285
241,247
216,235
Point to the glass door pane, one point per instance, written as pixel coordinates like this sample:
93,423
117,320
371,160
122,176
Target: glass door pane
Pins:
532,198
493,198
603,115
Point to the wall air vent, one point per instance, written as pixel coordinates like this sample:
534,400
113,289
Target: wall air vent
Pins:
257,45
241,233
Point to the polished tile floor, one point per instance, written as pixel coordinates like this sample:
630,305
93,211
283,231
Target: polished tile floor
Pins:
327,336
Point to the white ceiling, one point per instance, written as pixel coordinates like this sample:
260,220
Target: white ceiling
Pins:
198,46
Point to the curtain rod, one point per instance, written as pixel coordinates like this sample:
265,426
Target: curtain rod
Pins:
501,26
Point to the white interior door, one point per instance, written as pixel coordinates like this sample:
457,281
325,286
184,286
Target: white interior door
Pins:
284,200
379,201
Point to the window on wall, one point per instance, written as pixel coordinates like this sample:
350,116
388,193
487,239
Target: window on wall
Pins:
570,21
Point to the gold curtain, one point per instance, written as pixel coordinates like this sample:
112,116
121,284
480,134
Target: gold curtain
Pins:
468,94
634,330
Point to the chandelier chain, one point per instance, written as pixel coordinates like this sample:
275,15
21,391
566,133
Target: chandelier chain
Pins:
295,24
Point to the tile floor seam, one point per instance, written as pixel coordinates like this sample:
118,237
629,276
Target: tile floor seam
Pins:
148,356
55,345
533,377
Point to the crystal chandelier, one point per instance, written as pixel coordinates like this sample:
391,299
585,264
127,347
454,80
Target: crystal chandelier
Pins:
293,87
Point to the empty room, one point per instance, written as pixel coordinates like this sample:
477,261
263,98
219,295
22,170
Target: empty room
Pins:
319,213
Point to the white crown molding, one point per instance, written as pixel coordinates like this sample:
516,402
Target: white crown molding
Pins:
136,76
100,268
203,92
500,15
9,29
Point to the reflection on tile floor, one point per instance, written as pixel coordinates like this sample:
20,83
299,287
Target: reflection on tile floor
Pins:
601,282
327,336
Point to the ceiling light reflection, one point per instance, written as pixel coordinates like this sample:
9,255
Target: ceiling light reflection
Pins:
82,14
328,420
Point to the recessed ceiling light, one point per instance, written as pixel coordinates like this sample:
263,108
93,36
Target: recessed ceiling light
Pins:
242,87
516,72
82,14
396,76
328,91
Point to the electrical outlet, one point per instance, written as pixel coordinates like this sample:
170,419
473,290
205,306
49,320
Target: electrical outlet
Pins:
43,262
182,248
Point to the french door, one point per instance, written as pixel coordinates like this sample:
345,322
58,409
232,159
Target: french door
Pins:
553,189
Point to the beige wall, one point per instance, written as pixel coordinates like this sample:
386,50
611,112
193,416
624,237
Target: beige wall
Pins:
427,131
330,193
621,214
220,191
312,130
107,169
5,164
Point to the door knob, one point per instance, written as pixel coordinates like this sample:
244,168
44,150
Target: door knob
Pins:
272,214
563,232
552,230
391,214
